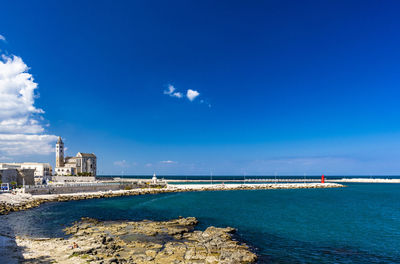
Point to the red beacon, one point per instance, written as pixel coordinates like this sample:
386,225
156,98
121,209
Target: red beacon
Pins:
323,179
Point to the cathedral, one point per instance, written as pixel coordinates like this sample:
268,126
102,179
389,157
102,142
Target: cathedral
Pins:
83,164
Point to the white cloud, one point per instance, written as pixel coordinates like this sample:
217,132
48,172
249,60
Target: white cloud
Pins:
2,38
149,165
177,94
21,128
168,161
21,125
171,92
23,144
191,94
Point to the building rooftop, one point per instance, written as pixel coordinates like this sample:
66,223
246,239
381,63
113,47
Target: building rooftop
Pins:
86,155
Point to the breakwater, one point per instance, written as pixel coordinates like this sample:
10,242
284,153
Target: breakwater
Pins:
78,188
369,180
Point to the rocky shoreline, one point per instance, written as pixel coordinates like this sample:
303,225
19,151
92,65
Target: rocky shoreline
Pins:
13,203
173,241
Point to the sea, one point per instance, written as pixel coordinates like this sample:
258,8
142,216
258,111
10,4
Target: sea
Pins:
356,224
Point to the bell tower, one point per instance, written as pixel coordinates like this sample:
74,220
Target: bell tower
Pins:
59,153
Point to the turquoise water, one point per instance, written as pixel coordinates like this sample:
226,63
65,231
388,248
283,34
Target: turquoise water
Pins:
357,224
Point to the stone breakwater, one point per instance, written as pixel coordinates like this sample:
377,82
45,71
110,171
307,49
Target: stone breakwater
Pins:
173,241
31,201
368,180
13,203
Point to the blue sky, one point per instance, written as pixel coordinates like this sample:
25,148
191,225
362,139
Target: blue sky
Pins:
286,87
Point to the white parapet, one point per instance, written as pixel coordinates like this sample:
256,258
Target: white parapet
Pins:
68,179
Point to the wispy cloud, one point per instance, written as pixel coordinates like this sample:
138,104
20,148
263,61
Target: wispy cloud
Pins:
204,102
121,163
171,92
168,162
192,94
22,131
2,38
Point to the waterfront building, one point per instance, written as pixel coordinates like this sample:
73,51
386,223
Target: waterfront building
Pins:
83,164
40,169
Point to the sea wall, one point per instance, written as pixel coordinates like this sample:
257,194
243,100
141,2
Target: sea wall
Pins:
75,189
26,176
8,175
88,187
73,178
20,176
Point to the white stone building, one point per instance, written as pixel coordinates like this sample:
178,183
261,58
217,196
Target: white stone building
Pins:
84,164
41,169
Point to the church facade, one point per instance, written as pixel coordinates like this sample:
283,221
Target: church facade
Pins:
83,164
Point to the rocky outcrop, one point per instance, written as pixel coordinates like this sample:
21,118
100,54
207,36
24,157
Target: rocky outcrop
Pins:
173,241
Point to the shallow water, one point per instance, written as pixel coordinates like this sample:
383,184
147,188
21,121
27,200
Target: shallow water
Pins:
357,224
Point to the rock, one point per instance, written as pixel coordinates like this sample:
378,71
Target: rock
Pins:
141,242
151,253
